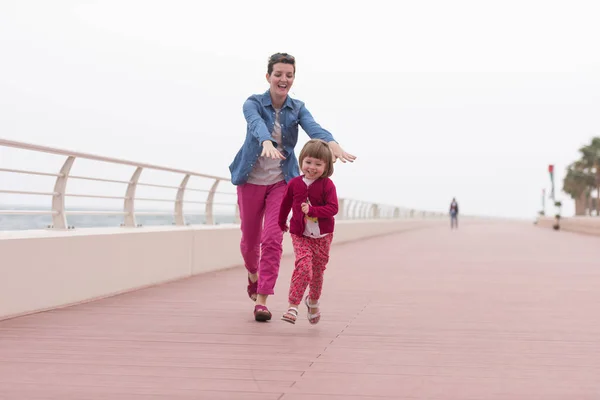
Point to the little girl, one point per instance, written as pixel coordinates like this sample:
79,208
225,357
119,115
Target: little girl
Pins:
313,200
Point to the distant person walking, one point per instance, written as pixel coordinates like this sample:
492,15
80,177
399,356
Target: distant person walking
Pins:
453,214
261,169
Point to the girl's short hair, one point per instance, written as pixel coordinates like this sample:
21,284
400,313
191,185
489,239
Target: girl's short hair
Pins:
319,149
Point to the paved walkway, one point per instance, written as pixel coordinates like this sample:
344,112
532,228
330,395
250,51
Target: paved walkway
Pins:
502,311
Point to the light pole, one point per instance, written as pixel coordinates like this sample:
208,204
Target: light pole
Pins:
551,172
543,202
557,204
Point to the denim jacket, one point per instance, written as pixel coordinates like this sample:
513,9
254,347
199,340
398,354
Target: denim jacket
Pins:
260,117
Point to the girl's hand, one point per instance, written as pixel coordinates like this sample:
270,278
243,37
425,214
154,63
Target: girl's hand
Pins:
270,151
305,207
338,152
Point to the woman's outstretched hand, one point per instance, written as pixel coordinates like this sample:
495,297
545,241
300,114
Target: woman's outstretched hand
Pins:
270,151
339,153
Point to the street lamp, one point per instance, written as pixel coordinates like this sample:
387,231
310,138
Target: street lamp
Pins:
557,204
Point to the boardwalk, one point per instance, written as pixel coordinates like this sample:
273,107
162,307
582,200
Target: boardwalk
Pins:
501,311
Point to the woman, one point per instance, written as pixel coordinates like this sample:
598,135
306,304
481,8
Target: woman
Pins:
261,170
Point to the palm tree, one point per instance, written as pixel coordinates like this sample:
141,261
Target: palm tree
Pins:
578,183
590,164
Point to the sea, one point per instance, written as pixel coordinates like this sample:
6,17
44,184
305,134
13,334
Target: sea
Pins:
14,222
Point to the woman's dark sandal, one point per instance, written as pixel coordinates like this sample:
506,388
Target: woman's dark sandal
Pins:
252,289
261,313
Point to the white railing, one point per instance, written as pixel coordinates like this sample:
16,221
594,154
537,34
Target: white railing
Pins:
349,209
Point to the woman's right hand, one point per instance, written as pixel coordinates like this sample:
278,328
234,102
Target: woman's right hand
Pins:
270,151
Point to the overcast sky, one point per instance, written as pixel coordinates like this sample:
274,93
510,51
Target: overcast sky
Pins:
437,99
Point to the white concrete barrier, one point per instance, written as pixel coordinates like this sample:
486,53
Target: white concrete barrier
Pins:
586,225
41,270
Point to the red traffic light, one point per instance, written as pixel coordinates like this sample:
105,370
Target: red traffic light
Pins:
551,168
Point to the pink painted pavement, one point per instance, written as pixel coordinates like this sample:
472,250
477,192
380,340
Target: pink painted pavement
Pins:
491,311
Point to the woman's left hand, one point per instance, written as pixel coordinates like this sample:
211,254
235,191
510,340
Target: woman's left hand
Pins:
339,153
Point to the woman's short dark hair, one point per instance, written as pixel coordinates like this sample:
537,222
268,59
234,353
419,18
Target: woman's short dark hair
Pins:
284,58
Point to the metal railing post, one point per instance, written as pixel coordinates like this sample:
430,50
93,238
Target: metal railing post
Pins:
375,211
179,218
209,203
59,218
355,205
341,208
129,207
